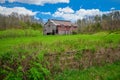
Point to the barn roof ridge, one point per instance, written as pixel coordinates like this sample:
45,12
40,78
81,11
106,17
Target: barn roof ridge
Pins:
60,20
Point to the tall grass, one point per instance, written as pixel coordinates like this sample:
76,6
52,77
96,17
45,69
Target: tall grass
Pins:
12,33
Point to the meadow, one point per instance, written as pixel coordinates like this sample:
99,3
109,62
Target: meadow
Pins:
22,55
107,72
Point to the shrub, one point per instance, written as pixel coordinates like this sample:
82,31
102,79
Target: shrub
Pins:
23,63
74,32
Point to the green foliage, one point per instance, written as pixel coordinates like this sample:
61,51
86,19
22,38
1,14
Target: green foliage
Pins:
28,25
78,55
36,26
23,63
37,72
92,28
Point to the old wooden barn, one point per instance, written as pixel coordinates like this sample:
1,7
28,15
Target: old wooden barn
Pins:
59,27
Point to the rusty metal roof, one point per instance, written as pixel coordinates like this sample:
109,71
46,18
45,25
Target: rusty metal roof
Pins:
62,22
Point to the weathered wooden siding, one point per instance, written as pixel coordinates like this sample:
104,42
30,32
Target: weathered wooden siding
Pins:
49,27
64,30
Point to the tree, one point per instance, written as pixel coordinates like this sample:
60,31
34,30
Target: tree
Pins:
18,21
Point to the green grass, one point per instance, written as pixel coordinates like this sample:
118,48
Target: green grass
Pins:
13,33
107,72
29,46
65,42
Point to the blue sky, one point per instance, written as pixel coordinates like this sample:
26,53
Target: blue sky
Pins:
58,9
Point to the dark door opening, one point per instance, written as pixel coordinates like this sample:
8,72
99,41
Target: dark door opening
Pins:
53,32
56,30
48,33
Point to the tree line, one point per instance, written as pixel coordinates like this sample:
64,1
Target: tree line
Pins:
17,21
109,21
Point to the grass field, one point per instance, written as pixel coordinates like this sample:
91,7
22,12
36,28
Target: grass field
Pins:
17,46
80,41
107,72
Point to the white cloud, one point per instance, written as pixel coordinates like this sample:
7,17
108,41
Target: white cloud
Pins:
66,10
19,10
2,1
46,13
112,8
39,2
69,14
11,0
